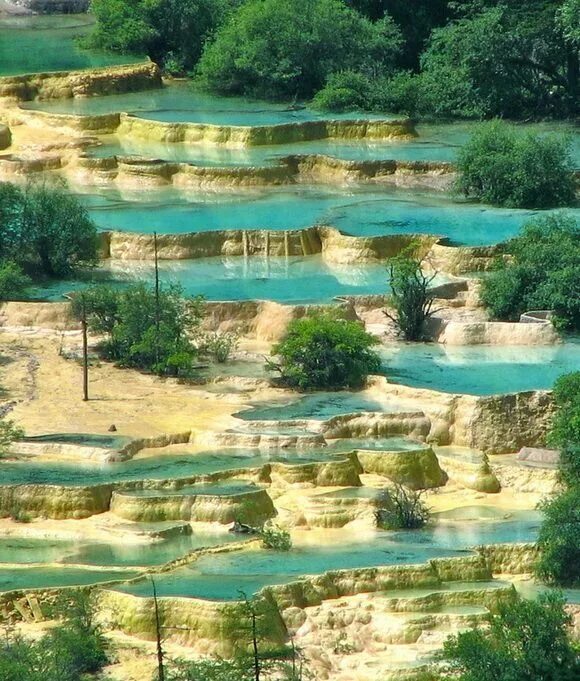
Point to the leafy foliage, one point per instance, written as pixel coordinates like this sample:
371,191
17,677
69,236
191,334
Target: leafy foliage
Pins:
525,640
68,652
45,230
9,433
401,508
410,296
140,333
276,538
171,32
288,48
503,167
324,352
13,281
219,345
541,275
559,539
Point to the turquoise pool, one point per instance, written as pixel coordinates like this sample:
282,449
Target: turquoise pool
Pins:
12,579
480,369
162,467
293,280
222,577
179,102
359,212
31,44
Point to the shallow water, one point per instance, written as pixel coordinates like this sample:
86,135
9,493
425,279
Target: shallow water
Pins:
359,212
162,467
221,577
480,369
42,577
318,406
31,44
179,102
82,439
25,550
224,488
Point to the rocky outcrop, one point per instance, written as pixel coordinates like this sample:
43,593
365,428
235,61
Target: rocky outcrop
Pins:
492,333
37,315
377,424
54,501
416,468
473,473
5,136
252,507
66,84
464,259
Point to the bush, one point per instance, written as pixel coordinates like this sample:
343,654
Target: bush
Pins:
410,296
525,641
401,508
566,424
13,281
45,230
9,433
220,345
170,32
276,538
542,273
288,48
353,90
323,352
504,167
559,539
141,334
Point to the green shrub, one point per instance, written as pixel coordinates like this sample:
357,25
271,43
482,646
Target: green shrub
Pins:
45,230
559,539
288,48
276,538
525,641
353,90
410,296
141,334
219,345
542,273
170,32
503,167
13,281
9,433
323,352
566,424
401,508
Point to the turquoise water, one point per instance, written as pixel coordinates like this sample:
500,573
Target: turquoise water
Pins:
31,44
24,550
479,369
359,212
287,280
42,577
179,102
320,406
163,467
221,577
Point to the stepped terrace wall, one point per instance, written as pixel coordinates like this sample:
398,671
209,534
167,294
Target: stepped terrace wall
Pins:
249,136
67,84
328,241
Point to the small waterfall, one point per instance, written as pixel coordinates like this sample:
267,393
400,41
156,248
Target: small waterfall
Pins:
245,243
286,244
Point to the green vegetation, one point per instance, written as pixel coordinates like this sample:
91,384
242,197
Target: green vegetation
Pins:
541,274
9,433
401,508
13,281
504,167
288,48
525,641
141,331
410,297
324,352
171,32
559,539
44,231
276,538
66,653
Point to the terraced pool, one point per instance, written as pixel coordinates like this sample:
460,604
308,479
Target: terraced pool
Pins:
480,369
355,211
